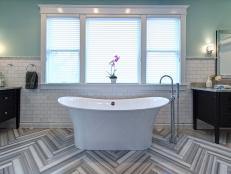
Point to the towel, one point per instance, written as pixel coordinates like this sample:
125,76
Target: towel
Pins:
31,80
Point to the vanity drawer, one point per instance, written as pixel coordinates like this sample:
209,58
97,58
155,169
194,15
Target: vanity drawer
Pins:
7,97
7,114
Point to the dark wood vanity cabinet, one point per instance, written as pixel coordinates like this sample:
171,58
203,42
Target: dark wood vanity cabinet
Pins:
10,104
212,107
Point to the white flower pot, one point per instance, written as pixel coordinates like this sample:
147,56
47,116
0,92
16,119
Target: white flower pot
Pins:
113,80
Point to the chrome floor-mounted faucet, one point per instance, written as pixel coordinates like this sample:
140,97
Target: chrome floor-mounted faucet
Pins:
172,101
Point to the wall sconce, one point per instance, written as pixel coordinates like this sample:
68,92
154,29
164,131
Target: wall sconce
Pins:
209,50
2,48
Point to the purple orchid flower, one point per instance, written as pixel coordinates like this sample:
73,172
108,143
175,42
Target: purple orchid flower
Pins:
113,63
116,58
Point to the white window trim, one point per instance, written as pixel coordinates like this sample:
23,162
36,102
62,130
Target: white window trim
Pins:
115,9
105,10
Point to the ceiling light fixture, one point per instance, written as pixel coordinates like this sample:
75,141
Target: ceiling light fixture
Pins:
60,10
96,10
127,10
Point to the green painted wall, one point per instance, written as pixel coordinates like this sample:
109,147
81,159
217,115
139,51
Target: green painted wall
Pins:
20,22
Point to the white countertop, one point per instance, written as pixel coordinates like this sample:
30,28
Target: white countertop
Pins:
210,89
10,87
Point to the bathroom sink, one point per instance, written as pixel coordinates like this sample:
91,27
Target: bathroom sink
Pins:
222,87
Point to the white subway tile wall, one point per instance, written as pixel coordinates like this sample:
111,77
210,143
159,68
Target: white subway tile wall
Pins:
39,108
199,70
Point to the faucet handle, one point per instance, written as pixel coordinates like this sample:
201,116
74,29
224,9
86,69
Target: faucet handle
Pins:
172,98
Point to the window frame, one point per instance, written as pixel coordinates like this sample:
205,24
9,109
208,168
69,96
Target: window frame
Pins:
143,12
60,50
181,74
43,46
139,67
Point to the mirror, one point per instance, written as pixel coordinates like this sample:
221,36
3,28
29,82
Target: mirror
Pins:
223,42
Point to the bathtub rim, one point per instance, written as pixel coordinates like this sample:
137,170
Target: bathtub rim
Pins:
108,110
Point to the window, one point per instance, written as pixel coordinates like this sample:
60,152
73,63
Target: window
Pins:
78,42
62,51
163,49
106,37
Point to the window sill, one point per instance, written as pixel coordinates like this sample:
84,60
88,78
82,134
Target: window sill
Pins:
101,86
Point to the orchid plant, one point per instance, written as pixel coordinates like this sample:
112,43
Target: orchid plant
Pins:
112,63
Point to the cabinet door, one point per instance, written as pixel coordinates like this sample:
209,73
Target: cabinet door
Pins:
225,109
8,104
206,106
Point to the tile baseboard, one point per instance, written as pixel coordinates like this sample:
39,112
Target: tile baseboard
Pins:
178,126
69,125
45,125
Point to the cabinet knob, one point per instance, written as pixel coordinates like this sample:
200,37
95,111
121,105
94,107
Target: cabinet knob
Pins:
6,113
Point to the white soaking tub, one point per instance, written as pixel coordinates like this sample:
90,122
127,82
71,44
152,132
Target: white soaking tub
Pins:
113,124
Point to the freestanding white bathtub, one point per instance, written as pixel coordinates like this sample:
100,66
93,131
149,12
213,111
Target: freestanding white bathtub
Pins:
113,124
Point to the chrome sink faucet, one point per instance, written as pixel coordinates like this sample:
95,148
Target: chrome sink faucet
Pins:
172,99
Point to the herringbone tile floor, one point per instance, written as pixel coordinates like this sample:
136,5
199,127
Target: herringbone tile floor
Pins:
46,151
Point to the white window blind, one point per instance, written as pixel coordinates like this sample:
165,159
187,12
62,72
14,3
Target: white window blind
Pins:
62,50
106,37
163,49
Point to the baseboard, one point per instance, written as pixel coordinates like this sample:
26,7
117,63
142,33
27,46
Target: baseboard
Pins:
69,125
178,126
45,125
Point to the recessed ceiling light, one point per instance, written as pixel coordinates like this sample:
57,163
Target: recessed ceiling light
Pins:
60,10
96,10
127,10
